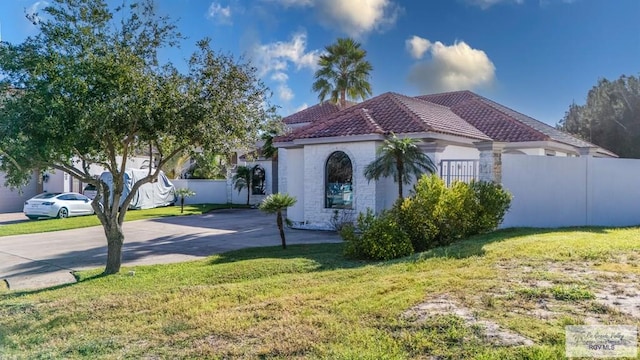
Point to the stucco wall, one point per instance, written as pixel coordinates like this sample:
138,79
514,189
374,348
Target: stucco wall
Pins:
13,200
207,191
551,191
455,152
293,182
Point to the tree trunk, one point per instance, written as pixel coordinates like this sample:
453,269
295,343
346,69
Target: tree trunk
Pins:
281,228
248,194
115,239
343,99
181,204
400,169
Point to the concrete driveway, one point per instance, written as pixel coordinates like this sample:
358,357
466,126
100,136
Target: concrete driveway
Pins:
47,259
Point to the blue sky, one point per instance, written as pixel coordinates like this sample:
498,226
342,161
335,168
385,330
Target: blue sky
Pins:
535,56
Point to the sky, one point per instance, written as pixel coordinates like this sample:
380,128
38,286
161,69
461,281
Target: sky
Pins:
534,56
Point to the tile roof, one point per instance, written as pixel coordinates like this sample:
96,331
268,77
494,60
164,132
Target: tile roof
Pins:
461,113
386,113
500,122
313,113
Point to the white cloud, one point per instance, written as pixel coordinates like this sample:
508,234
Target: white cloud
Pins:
353,17
302,107
274,60
280,77
219,13
276,57
285,93
417,46
452,67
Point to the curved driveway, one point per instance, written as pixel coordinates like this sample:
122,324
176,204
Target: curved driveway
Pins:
46,259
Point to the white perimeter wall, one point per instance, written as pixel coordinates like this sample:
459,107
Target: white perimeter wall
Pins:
13,200
571,191
207,191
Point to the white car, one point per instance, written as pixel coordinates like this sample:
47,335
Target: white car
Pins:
60,205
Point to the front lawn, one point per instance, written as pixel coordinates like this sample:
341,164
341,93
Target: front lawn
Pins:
38,226
310,302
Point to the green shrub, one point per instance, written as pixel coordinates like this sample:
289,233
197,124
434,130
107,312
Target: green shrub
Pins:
433,215
380,238
455,213
416,214
493,203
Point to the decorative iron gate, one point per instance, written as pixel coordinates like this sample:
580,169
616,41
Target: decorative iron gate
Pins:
459,170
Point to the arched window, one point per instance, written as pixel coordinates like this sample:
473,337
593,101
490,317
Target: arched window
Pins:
339,181
257,181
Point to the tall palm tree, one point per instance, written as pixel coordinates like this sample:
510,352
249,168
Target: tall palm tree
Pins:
400,158
242,179
276,203
343,72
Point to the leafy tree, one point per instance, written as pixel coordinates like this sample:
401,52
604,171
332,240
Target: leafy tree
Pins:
400,158
183,193
90,90
276,203
242,180
609,118
343,72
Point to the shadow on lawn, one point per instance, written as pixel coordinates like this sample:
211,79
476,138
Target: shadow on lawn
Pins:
328,256
474,246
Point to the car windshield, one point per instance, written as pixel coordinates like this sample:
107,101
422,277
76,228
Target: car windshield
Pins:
46,195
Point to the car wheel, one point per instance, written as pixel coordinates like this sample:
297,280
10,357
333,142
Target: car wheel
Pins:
63,213
31,217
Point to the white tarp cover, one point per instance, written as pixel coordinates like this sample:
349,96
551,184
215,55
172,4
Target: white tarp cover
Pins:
150,195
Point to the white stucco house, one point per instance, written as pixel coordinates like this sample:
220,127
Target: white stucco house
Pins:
322,158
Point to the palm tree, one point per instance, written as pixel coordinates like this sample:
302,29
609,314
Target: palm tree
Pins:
400,158
343,72
242,179
183,193
275,203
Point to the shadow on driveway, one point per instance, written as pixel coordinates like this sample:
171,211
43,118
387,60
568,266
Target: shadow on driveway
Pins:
174,239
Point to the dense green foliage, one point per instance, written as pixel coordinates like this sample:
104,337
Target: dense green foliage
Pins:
344,72
89,89
432,216
400,159
378,238
609,118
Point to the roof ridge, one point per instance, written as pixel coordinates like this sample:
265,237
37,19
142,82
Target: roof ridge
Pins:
364,112
412,114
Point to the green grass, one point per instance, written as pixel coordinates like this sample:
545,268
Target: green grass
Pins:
39,226
310,302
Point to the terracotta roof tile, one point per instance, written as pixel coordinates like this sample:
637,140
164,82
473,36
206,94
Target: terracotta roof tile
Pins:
386,113
313,113
461,113
500,122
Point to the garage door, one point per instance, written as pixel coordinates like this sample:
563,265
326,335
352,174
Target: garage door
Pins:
11,201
